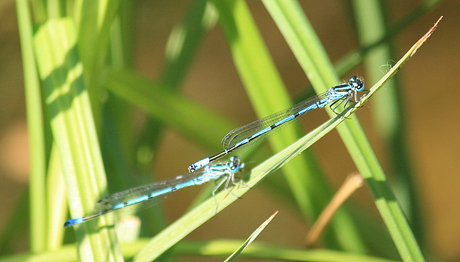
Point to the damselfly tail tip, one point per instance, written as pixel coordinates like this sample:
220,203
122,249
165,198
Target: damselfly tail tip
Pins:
74,221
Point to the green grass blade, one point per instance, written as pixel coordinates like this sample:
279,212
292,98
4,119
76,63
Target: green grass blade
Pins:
369,167
184,41
176,111
251,238
257,250
117,134
389,108
93,22
35,123
74,132
56,201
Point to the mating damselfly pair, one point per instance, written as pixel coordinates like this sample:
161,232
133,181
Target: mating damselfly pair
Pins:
203,171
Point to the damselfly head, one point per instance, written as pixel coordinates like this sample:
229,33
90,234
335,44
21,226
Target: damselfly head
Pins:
357,83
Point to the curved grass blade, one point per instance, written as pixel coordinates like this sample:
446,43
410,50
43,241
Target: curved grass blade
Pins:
251,238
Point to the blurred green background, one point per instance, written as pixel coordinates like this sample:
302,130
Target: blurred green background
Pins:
429,82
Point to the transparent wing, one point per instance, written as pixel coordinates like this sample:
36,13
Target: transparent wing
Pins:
141,195
246,131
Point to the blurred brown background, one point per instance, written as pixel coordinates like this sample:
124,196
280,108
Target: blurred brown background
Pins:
430,81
